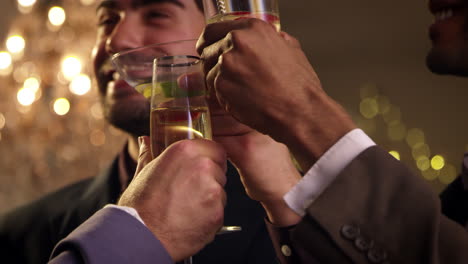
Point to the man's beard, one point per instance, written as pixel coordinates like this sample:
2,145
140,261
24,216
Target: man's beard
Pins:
452,59
443,62
132,118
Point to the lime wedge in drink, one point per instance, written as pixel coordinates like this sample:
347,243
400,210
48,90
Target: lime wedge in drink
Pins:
166,88
144,89
172,89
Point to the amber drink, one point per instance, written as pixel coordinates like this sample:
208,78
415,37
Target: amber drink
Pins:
178,105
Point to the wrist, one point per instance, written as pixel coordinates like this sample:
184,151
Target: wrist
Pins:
279,213
319,131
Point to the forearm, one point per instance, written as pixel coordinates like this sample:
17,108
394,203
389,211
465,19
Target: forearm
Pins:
326,169
310,135
267,172
280,214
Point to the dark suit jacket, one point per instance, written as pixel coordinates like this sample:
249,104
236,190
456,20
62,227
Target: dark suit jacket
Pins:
454,200
377,211
28,234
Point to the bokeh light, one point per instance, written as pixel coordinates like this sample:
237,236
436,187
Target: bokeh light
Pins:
80,85
430,174
87,2
26,96
33,131
414,137
367,125
29,92
97,138
96,111
423,163
392,115
26,3
437,162
57,16
32,84
23,71
71,67
2,121
420,149
368,90
61,106
448,174
383,104
15,44
5,60
6,72
396,131
369,108
395,154
70,153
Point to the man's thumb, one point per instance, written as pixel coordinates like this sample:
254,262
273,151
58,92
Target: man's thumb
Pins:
145,153
290,39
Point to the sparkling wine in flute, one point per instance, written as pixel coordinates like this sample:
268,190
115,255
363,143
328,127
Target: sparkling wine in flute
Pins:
169,125
265,16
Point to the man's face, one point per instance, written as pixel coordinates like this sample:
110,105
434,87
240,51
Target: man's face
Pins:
126,24
449,35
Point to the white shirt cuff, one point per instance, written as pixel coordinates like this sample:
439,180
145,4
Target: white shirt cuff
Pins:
326,169
131,211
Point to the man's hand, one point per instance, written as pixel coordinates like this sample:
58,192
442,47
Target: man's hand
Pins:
264,165
265,81
252,70
179,195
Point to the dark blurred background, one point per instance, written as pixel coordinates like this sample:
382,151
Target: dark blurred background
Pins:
369,54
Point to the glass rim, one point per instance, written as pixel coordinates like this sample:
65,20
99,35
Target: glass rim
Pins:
170,57
124,52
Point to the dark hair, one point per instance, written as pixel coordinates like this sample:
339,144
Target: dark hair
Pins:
199,4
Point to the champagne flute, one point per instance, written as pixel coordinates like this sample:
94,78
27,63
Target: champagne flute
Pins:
170,119
179,109
222,10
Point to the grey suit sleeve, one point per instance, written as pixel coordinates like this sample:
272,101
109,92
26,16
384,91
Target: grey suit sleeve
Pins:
110,236
376,211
